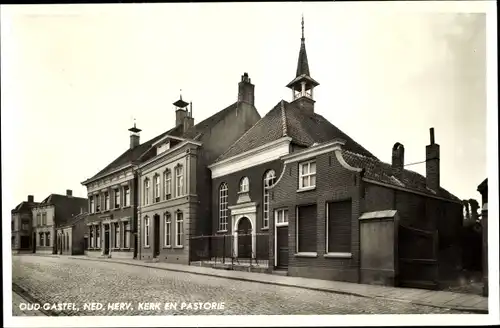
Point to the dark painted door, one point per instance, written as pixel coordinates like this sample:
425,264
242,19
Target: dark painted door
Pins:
244,238
106,240
34,242
282,247
156,240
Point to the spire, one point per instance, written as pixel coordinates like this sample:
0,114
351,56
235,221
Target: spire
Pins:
302,65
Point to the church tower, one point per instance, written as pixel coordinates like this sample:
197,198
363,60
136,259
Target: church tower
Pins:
303,84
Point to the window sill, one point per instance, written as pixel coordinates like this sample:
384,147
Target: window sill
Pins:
306,189
338,255
265,229
167,247
306,254
221,231
178,247
124,207
282,224
147,247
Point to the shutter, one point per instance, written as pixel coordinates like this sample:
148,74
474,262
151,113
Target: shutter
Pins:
339,226
307,228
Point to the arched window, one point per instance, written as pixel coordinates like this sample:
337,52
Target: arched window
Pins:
223,207
157,188
146,191
179,180
269,181
168,184
244,184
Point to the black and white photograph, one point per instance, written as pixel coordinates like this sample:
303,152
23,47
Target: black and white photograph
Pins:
236,164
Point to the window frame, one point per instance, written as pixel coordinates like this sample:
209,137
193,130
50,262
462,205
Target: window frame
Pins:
146,191
179,180
126,234
308,175
265,197
126,196
223,207
107,201
179,233
146,231
167,184
244,185
276,217
117,198
157,188
167,230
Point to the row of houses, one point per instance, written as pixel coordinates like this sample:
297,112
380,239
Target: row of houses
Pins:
288,191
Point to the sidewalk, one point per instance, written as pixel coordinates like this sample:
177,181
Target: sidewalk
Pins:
442,299
16,309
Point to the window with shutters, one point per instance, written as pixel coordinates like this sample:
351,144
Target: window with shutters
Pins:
306,228
338,227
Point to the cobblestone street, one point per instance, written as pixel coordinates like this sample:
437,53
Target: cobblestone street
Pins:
65,280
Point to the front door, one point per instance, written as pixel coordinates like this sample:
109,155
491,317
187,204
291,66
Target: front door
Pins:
106,239
156,237
244,238
282,247
34,242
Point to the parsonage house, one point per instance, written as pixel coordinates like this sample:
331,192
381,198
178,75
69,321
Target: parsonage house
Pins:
50,213
21,226
302,195
149,201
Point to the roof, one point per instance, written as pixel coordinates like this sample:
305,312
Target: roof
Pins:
24,206
483,185
302,63
74,220
383,172
55,199
132,155
286,119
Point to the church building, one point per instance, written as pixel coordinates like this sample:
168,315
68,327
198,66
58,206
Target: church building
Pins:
300,193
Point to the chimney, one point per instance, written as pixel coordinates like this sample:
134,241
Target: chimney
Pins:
432,164
134,137
398,158
180,115
31,199
188,121
69,193
246,90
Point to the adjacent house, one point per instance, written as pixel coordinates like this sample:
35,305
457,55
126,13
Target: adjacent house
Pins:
71,236
175,183
50,213
21,226
311,188
483,190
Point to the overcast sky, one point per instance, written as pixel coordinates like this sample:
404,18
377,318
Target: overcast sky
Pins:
75,76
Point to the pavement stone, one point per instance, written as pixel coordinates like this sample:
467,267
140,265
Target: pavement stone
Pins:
70,280
16,308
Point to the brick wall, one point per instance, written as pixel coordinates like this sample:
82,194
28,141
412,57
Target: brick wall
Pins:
256,176
333,183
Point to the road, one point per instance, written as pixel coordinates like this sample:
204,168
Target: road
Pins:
66,280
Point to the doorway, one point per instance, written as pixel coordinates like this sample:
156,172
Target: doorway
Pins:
34,242
282,247
156,235
244,238
106,239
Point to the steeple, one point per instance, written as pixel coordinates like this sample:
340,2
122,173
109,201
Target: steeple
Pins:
182,115
134,136
303,84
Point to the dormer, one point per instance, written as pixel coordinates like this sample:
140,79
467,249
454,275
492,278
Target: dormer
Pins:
166,143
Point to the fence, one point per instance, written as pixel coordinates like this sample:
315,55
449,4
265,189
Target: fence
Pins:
243,248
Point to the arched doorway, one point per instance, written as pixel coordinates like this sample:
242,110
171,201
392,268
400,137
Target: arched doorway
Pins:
244,238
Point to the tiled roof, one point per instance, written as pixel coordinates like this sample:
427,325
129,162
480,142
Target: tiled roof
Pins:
24,206
383,172
55,199
286,119
135,154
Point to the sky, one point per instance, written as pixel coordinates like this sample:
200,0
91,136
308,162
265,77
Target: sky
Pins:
75,76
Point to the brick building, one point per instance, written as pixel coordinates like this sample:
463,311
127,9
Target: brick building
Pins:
71,236
50,213
175,183
21,226
293,164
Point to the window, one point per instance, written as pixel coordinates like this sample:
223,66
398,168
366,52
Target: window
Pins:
146,231
47,239
117,198
146,192
306,229
126,199
92,204
41,243
117,235
307,175
338,227
126,228
168,184
179,180
269,181
244,184
97,236
223,207
179,229
281,217
91,235
38,219
25,226
168,230
97,203
44,218
157,188
106,201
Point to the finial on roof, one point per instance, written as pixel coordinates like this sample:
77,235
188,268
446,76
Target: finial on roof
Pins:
303,27
181,94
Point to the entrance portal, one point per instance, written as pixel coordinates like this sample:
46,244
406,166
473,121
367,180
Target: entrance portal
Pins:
244,238
106,239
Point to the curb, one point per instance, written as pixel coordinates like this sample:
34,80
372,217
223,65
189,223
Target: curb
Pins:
464,309
27,296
